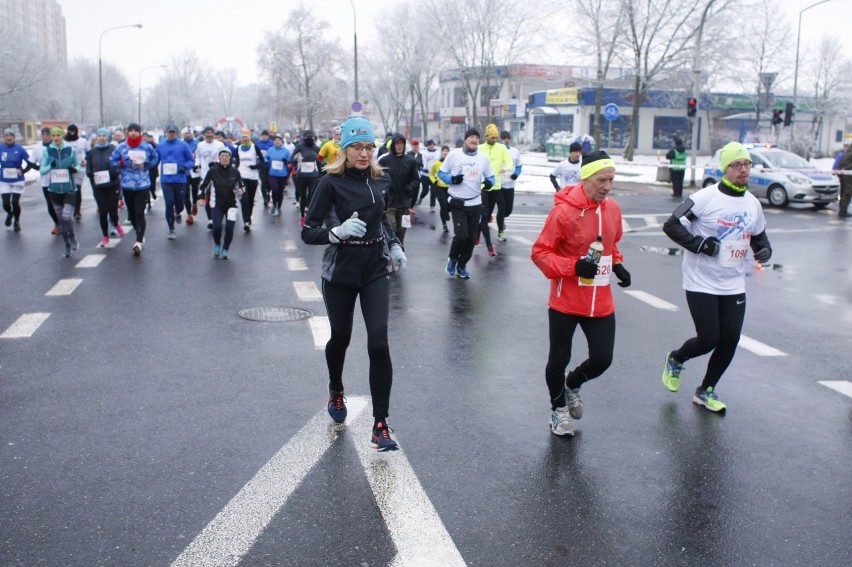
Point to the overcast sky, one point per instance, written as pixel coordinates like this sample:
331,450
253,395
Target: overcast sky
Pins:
227,32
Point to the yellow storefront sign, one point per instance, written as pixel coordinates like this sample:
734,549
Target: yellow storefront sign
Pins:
561,96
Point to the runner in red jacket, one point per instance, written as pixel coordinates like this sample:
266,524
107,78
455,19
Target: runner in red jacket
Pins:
581,214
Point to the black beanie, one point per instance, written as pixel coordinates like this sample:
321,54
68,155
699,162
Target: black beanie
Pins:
471,132
594,156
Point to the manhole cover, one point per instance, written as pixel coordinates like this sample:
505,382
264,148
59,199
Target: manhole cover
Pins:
275,314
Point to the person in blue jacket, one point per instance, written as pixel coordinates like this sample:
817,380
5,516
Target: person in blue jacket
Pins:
134,157
277,161
176,160
61,163
14,163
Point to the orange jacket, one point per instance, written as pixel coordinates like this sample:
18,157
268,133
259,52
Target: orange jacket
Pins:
572,225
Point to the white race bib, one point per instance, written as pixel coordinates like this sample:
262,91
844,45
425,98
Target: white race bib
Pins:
232,214
101,177
733,252
307,167
136,156
10,173
277,165
406,221
170,169
59,176
604,272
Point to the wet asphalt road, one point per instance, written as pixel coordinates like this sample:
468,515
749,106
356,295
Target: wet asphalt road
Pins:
144,403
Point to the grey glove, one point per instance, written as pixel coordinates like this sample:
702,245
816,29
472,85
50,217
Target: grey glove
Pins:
399,259
350,227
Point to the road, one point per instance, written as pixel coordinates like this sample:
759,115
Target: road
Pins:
144,422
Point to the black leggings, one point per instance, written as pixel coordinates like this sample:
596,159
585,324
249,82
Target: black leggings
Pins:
490,199
505,208
443,202
107,200
63,206
50,209
12,205
304,191
247,202
465,228
375,305
600,334
219,217
191,196
718,323
276,189
136,202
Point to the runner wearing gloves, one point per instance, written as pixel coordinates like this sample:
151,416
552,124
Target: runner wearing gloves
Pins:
277,160
430,156
567,172
60,163
501,163
716,225
37,157
306,165
133,158
81,146
176,160
249,160
508,189
104,180
207,152
361,253
264,143
221,198
405,182
14,163
190,201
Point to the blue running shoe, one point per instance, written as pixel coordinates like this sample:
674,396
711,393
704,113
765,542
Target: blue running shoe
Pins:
337,406
451,267
225,253
217,250
462,273
381,440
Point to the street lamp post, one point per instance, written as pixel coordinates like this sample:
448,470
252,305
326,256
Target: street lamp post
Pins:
140,88
101,67
355,42
796,71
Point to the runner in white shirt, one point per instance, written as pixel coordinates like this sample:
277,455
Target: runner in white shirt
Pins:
717,226
567,172
207,152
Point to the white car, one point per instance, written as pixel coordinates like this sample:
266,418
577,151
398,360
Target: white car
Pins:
782,177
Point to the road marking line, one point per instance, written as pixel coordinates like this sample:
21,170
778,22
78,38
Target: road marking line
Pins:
288,245
113,242
624,226
841,386
65,287
90,261
413,523
25,326
307,291
321,330
231,534
522,240
650,221
759,348
296,264
652,300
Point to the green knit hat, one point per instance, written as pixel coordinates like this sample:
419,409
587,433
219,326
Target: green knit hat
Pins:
732,152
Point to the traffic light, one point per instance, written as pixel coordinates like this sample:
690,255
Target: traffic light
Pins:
788,114
691,107
776,117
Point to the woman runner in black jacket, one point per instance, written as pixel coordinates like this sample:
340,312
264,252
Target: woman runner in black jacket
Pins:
222,198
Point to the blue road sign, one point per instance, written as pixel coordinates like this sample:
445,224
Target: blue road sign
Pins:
611,111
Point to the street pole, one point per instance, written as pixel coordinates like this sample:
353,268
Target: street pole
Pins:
140,88
796,72
696,94
101,67
355,42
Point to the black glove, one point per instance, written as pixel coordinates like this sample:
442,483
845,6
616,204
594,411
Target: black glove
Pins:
252,167
196,168
763,255
487,184
622,274
585,269
53,163
181,169
72,170
513,176
710,246
457,179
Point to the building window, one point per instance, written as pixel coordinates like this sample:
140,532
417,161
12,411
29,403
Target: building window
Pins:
613,134
546,124
838,137
459,97
666,128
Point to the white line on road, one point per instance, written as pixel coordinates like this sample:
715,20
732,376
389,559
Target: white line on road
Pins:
65,287
296,264
841,386
113,242
415,527
288,245
25,326
231,534
321,330
759,348
522,240
652,300
307,291
91,261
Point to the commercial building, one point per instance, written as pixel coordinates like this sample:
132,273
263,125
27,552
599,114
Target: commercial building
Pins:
40,21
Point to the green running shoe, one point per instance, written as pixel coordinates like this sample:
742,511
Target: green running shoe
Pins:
708,399
671,373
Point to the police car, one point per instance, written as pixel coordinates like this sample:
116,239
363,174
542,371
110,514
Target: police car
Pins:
781,177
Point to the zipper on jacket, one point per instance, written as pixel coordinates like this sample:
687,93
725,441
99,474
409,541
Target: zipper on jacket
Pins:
600,232
371,190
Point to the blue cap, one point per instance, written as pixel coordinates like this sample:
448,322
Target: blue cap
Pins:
356,129
171,127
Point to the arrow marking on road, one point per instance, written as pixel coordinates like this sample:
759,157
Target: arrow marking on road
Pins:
25,326
231,534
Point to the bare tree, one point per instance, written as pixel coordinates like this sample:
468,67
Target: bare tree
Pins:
187,88
828,71
23,74
225,84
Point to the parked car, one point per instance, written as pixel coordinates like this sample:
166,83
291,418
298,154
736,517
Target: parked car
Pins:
782,177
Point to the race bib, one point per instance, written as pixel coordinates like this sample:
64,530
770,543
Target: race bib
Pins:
101,177
406,221
277,165
733,252
59,176
10,173
307,167
170,169
263,153
604,273
136,156
232,214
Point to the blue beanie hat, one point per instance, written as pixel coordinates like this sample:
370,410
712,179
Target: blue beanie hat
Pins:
103,131
356,129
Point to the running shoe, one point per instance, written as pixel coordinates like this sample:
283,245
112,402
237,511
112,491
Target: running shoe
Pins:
194,212
301,221
476,242
462,273
72,238
501,236
178,218
78,217
451,267
55,230
112,231
560,422
210,225
381,439
217,250
189,219
67,250
137,248
104,242
491,251
121,203
247,227
8,219
671,373
225,253
172,235
337,406
119,230
17,226
574,402
708,399
445,229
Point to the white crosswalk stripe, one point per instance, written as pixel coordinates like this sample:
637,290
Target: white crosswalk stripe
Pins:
842,386
25,326
307,291
65,287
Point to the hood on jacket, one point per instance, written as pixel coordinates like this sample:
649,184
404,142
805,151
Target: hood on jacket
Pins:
394,140
575,196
